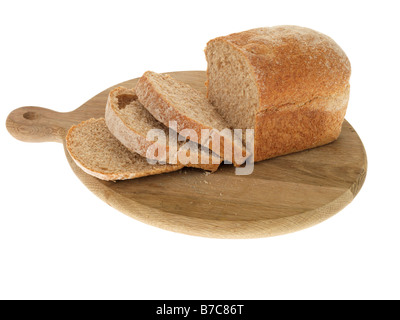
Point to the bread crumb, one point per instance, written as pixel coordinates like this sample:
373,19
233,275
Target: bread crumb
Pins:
205,182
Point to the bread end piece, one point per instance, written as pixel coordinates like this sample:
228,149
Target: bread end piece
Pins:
97,152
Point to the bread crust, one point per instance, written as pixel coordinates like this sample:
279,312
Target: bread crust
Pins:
293,128
302,77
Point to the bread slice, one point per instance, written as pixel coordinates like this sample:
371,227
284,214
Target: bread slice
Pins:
97,152
169,99
290,84
129,122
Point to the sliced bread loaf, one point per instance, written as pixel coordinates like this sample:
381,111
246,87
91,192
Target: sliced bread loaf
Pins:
130,122
290,84
97,152
168,99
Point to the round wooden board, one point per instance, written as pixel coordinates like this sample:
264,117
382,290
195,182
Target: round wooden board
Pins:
282,195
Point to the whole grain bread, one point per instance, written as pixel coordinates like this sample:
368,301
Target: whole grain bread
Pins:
130,122
97,152
168,99
290,84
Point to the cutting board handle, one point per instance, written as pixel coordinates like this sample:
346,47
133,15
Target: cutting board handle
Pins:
35,124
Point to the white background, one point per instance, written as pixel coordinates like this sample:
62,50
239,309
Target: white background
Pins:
58,241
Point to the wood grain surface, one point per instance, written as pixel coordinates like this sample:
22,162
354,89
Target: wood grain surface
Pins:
283,195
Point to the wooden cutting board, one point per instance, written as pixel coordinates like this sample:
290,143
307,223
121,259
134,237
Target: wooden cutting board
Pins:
283,195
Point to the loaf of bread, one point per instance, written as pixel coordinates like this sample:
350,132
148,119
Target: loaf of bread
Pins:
96,151
287,83
290,84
